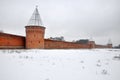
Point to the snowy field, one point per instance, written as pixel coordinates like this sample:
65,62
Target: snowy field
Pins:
87,64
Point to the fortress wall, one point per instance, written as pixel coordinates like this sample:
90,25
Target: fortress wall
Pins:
11,41
53,44
102,46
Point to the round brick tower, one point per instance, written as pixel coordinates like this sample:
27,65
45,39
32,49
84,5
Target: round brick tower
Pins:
92,44
109,45
35,32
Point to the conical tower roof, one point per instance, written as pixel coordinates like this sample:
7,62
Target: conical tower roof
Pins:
109,41
35,19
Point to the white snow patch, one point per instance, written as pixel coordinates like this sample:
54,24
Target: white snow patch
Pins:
35,64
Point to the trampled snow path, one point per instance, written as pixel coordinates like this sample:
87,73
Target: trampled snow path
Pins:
93,64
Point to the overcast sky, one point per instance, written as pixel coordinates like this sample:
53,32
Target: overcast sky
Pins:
73,19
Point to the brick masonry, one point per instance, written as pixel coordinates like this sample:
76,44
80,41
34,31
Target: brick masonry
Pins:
11,41
35,40
35,37
52,44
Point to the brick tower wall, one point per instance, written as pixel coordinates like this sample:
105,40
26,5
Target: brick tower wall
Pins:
35,37
10,41
109,45
92,44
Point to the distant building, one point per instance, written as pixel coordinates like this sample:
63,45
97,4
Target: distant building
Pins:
82,41
34,38
117,47
57,38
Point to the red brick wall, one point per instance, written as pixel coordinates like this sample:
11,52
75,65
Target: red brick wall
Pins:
35,37
14,41
102,46
92,44
52,44
11,41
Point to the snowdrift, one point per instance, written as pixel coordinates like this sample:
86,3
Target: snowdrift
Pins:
35,64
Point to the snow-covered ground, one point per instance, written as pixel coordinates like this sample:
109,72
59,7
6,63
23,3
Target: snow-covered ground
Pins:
87,64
